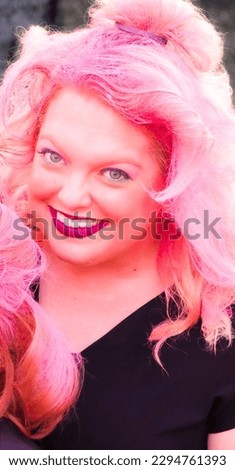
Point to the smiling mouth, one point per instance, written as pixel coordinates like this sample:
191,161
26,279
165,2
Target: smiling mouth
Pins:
76,227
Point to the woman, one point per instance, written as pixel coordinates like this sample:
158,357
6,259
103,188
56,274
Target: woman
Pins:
121,136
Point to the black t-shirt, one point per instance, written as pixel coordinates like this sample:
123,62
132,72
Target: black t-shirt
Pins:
129,402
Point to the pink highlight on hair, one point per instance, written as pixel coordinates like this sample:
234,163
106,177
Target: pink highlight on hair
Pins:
34,393
181,85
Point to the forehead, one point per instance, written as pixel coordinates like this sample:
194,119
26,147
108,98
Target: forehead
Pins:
81,116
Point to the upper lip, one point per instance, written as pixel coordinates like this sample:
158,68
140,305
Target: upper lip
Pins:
72,217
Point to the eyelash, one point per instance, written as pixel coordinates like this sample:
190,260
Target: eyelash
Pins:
44,152
122,173
125,176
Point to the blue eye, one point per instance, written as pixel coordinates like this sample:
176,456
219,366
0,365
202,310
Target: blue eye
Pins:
51,157
114,174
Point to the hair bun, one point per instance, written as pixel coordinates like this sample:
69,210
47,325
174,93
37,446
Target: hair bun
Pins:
178,21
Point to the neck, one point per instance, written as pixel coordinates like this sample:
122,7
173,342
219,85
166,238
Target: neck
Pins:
80,297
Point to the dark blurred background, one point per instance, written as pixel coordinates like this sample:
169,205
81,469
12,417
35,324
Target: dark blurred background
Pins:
70,13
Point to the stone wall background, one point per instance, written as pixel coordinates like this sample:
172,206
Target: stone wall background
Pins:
70,13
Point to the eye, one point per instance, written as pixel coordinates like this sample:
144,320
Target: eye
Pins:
51,157
115,174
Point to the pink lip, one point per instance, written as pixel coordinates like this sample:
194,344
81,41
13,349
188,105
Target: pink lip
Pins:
72,217
80,232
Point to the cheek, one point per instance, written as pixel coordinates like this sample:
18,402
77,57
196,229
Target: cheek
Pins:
149,209
132,204
41,184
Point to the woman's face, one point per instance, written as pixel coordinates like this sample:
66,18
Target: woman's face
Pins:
88,179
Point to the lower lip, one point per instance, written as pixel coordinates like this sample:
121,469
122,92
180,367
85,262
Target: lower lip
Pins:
80,232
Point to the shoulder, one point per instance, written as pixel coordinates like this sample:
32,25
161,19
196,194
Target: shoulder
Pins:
12,439
193,340
188,356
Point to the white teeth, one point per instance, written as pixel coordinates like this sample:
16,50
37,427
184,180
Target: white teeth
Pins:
76,223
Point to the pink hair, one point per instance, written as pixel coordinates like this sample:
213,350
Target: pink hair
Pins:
181,85
38,375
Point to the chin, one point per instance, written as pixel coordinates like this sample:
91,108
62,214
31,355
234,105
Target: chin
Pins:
73,257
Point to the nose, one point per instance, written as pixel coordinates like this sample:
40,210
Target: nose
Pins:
75,192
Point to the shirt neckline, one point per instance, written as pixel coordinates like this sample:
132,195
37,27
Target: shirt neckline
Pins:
142,319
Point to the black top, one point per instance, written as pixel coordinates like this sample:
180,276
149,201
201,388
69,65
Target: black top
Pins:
129,402
12,439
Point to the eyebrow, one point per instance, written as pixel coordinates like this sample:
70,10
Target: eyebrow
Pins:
110,159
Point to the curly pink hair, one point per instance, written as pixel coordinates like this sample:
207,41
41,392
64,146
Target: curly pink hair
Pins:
34,394
181,92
